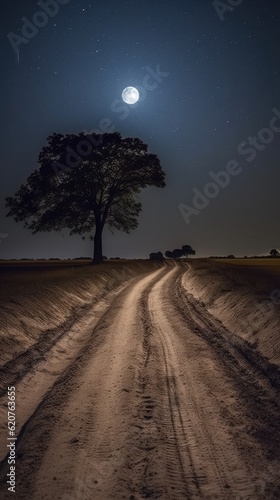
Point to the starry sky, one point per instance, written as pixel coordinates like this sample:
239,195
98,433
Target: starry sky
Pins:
215,73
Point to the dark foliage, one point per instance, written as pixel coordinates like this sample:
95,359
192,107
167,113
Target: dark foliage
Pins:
274,253
177,253
156,256
86,182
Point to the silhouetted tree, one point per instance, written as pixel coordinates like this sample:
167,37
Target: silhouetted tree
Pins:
169,254
177,253
274,253
156,256
87,181
188,250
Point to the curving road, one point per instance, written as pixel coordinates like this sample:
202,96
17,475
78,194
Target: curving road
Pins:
144,395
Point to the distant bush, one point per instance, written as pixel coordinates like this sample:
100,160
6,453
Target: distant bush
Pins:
231,257
156,256
82,258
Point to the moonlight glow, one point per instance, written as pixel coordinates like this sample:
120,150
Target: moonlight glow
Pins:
130,95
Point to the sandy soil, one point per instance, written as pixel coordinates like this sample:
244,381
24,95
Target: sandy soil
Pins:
149,391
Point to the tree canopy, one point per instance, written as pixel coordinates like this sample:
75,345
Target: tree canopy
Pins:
86,181
156,256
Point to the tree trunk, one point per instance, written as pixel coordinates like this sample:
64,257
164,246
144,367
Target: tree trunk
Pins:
97,256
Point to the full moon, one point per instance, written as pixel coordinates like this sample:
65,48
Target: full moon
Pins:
130,95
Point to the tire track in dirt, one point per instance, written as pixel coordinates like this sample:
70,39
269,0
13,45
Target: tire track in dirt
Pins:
13,371
41,365
142,473
34,438
183,482
165,439
183,414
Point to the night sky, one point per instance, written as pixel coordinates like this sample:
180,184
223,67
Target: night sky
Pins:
216,83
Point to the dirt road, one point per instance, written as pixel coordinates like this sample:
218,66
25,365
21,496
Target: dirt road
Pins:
144,395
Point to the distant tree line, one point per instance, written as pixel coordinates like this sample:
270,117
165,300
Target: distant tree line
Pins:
273,253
